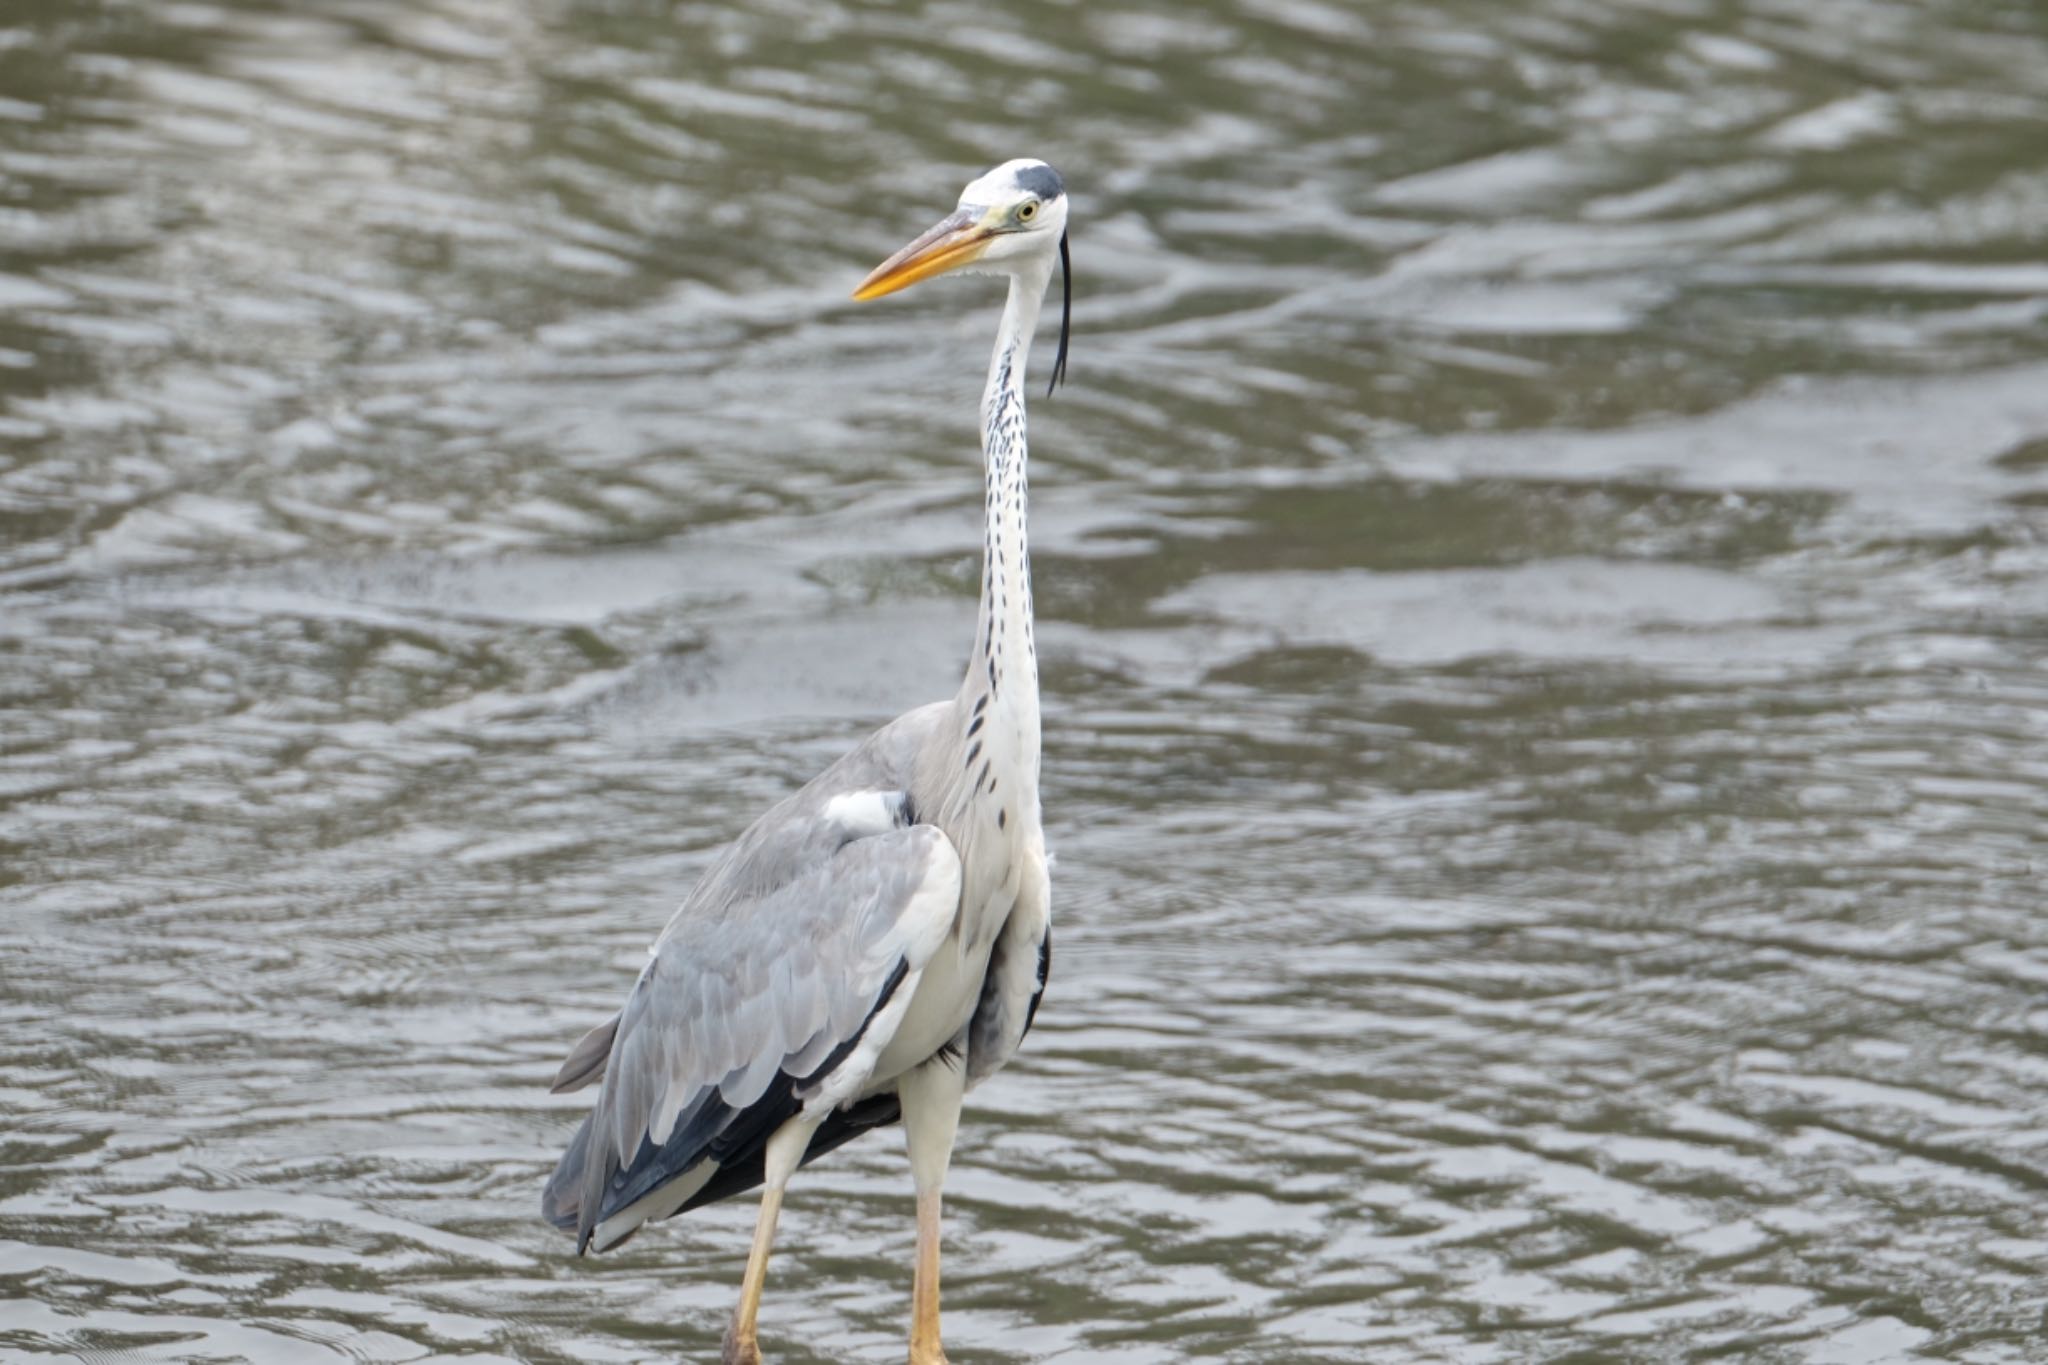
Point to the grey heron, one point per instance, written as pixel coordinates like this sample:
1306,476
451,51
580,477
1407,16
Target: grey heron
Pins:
876,943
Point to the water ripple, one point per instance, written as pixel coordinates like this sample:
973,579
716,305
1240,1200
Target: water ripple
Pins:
1540,571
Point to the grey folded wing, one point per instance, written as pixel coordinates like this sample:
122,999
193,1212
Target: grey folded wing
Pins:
768,994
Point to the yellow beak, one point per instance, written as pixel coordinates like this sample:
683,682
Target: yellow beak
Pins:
950,243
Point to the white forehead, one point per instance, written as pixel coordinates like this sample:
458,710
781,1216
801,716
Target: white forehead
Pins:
1014,180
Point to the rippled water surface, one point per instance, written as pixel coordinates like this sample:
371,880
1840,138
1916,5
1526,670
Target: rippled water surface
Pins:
1543,577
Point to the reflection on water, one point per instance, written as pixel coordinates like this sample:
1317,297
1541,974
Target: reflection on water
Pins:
1546,651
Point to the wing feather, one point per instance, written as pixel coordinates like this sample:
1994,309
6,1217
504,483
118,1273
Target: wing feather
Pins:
585,1062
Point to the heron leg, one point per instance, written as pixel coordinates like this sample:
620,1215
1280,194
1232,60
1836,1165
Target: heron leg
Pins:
785,1150
931,1115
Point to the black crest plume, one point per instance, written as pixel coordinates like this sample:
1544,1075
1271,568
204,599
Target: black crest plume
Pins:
1059,362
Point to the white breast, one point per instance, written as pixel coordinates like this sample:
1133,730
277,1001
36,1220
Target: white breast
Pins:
950,986
946,996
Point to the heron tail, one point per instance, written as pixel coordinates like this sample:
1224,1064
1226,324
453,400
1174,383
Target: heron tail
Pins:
561,1203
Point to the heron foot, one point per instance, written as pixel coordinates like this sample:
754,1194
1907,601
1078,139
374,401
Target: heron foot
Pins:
928,1355
740,1350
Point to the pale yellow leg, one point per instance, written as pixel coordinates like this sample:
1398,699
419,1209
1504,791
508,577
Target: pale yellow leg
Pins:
924,1295
742,1346
785,1150
931,1114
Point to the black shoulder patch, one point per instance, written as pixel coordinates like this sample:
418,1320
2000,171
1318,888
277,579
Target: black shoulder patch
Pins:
1044,975
1042,180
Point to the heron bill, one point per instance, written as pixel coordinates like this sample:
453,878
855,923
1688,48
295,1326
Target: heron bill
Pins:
952,242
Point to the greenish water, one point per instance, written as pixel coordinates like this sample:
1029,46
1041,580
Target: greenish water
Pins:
1543,574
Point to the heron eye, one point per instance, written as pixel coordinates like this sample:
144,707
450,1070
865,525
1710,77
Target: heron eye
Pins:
1027,212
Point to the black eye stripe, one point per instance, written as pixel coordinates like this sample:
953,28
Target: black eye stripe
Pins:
1042,180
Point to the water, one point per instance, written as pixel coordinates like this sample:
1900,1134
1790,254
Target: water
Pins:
1541,574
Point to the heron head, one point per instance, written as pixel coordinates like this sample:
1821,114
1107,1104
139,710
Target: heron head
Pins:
1011,221
1012,217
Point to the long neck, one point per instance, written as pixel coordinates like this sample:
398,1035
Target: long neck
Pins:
999,696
